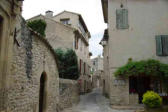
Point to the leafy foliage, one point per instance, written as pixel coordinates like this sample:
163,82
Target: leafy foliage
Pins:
146,67
67,64
152,99
38,26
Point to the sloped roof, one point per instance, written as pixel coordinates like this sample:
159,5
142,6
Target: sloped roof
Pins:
80,17
44,17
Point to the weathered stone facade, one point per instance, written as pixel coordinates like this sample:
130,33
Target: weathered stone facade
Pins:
70,36
97,70
97,63
9,10
32,58
69,93
106,76
80,45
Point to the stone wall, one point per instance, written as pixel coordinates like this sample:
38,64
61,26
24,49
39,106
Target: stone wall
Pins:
133,99
119,91
9,9
63,36
32,57
69,93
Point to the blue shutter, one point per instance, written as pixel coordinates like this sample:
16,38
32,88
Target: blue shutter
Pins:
159,51
118,18
165,44
125,19
122,19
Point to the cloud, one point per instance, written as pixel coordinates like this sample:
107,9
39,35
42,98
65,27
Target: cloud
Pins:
90,10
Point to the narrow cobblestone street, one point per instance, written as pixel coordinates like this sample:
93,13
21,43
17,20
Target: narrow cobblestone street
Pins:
93,102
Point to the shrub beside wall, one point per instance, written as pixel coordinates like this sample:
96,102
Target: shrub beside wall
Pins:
67,64
152,99
148,67
38,25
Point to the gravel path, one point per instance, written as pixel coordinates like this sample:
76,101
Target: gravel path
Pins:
93,102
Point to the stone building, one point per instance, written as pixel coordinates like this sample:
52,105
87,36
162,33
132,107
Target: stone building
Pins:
106,78
97,63
136,30
97,70
34,75
9,10
68,30
29,74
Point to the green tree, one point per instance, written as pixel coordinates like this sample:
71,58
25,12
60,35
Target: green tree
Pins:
67,64
38,26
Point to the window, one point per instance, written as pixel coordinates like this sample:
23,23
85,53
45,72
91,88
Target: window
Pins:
81,45
84,67
94,62
162,45
122,19
65,21
80,68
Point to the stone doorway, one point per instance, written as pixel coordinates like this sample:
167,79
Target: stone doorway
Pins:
139,85
143,85
42,94
1,31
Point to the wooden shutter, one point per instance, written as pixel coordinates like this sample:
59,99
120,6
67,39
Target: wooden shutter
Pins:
159,46
122,19
84,67
165,44
80,66
77,43
118,18
125,19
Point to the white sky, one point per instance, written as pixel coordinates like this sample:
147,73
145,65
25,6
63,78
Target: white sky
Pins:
90,10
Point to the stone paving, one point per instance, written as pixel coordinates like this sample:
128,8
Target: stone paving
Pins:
94,102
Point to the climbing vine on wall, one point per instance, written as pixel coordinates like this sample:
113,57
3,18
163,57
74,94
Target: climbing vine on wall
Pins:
38,26
149,67
67,64
146,67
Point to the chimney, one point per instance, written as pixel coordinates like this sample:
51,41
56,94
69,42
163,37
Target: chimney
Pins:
49,14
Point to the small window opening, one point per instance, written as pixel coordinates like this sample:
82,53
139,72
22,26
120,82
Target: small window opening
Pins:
65,21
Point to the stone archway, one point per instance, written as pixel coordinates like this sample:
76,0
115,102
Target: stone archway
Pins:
42,92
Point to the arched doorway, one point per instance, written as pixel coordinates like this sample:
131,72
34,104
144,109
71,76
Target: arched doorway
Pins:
42,94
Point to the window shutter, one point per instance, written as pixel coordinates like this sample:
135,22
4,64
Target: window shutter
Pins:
125,19
165,45
159,46
118,18
122,19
